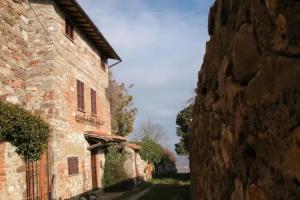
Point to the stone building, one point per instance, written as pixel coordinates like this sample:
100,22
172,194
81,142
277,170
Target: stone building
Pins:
53,61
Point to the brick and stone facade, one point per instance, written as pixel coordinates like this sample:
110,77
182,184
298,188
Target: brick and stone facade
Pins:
39,69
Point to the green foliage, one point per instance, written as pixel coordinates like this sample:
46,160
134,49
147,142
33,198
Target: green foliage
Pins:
184,122
24,130
114,172
151,151
121,106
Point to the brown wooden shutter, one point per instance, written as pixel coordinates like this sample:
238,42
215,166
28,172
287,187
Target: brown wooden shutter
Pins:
80,95
73,167
69,29
103,62
93,102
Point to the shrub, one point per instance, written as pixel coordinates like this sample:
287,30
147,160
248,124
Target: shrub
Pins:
151,151
114,172
29,133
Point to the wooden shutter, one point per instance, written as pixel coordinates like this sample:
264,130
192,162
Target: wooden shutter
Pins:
80,95
69,29
93,102
73,165
103,62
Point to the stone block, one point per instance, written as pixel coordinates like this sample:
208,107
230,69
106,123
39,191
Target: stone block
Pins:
245,55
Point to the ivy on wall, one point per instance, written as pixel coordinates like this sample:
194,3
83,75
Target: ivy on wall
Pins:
114,172
29,133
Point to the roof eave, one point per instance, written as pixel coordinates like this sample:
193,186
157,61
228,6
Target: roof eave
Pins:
112,53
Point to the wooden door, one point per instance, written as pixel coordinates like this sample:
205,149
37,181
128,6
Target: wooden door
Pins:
37,179
94,169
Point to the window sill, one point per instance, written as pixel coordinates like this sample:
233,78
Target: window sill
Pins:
71,175
82,111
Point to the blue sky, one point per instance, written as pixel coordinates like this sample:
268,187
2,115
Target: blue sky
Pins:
162,43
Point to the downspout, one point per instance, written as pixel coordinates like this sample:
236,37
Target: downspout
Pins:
119,61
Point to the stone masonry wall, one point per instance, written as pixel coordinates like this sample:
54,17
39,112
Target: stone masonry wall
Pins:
13,50
71,61
141,166
246,121
14,186
129,164
134,165
13,63
39,68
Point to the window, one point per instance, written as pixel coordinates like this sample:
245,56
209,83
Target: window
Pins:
80,95
73,165
69,29
103,63
93,102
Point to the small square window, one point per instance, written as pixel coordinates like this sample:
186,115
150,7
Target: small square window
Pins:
73,168
69,31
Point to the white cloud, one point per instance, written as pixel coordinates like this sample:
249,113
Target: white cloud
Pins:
162,51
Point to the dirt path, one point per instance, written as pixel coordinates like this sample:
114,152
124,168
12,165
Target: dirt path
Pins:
100,195
140,194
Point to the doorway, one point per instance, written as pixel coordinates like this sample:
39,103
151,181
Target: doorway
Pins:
94,169
38,183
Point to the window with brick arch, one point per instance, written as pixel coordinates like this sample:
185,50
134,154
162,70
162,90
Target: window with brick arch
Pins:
69,29
93,102
80,95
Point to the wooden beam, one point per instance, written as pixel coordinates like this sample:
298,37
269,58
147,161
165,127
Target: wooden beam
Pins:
99,144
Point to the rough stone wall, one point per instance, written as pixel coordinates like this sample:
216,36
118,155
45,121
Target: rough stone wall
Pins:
134,165
39,67
245,140
13,63
141,166
130,163
13,51
14,186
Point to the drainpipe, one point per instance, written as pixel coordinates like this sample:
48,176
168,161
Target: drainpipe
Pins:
114,64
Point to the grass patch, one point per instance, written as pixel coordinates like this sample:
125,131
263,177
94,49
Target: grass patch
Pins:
175,187
138,189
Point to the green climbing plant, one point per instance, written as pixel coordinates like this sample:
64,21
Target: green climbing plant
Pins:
28,132
114,172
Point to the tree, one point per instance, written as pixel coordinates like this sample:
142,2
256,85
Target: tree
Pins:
121,107
154,131
184,122
151,151
167,164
